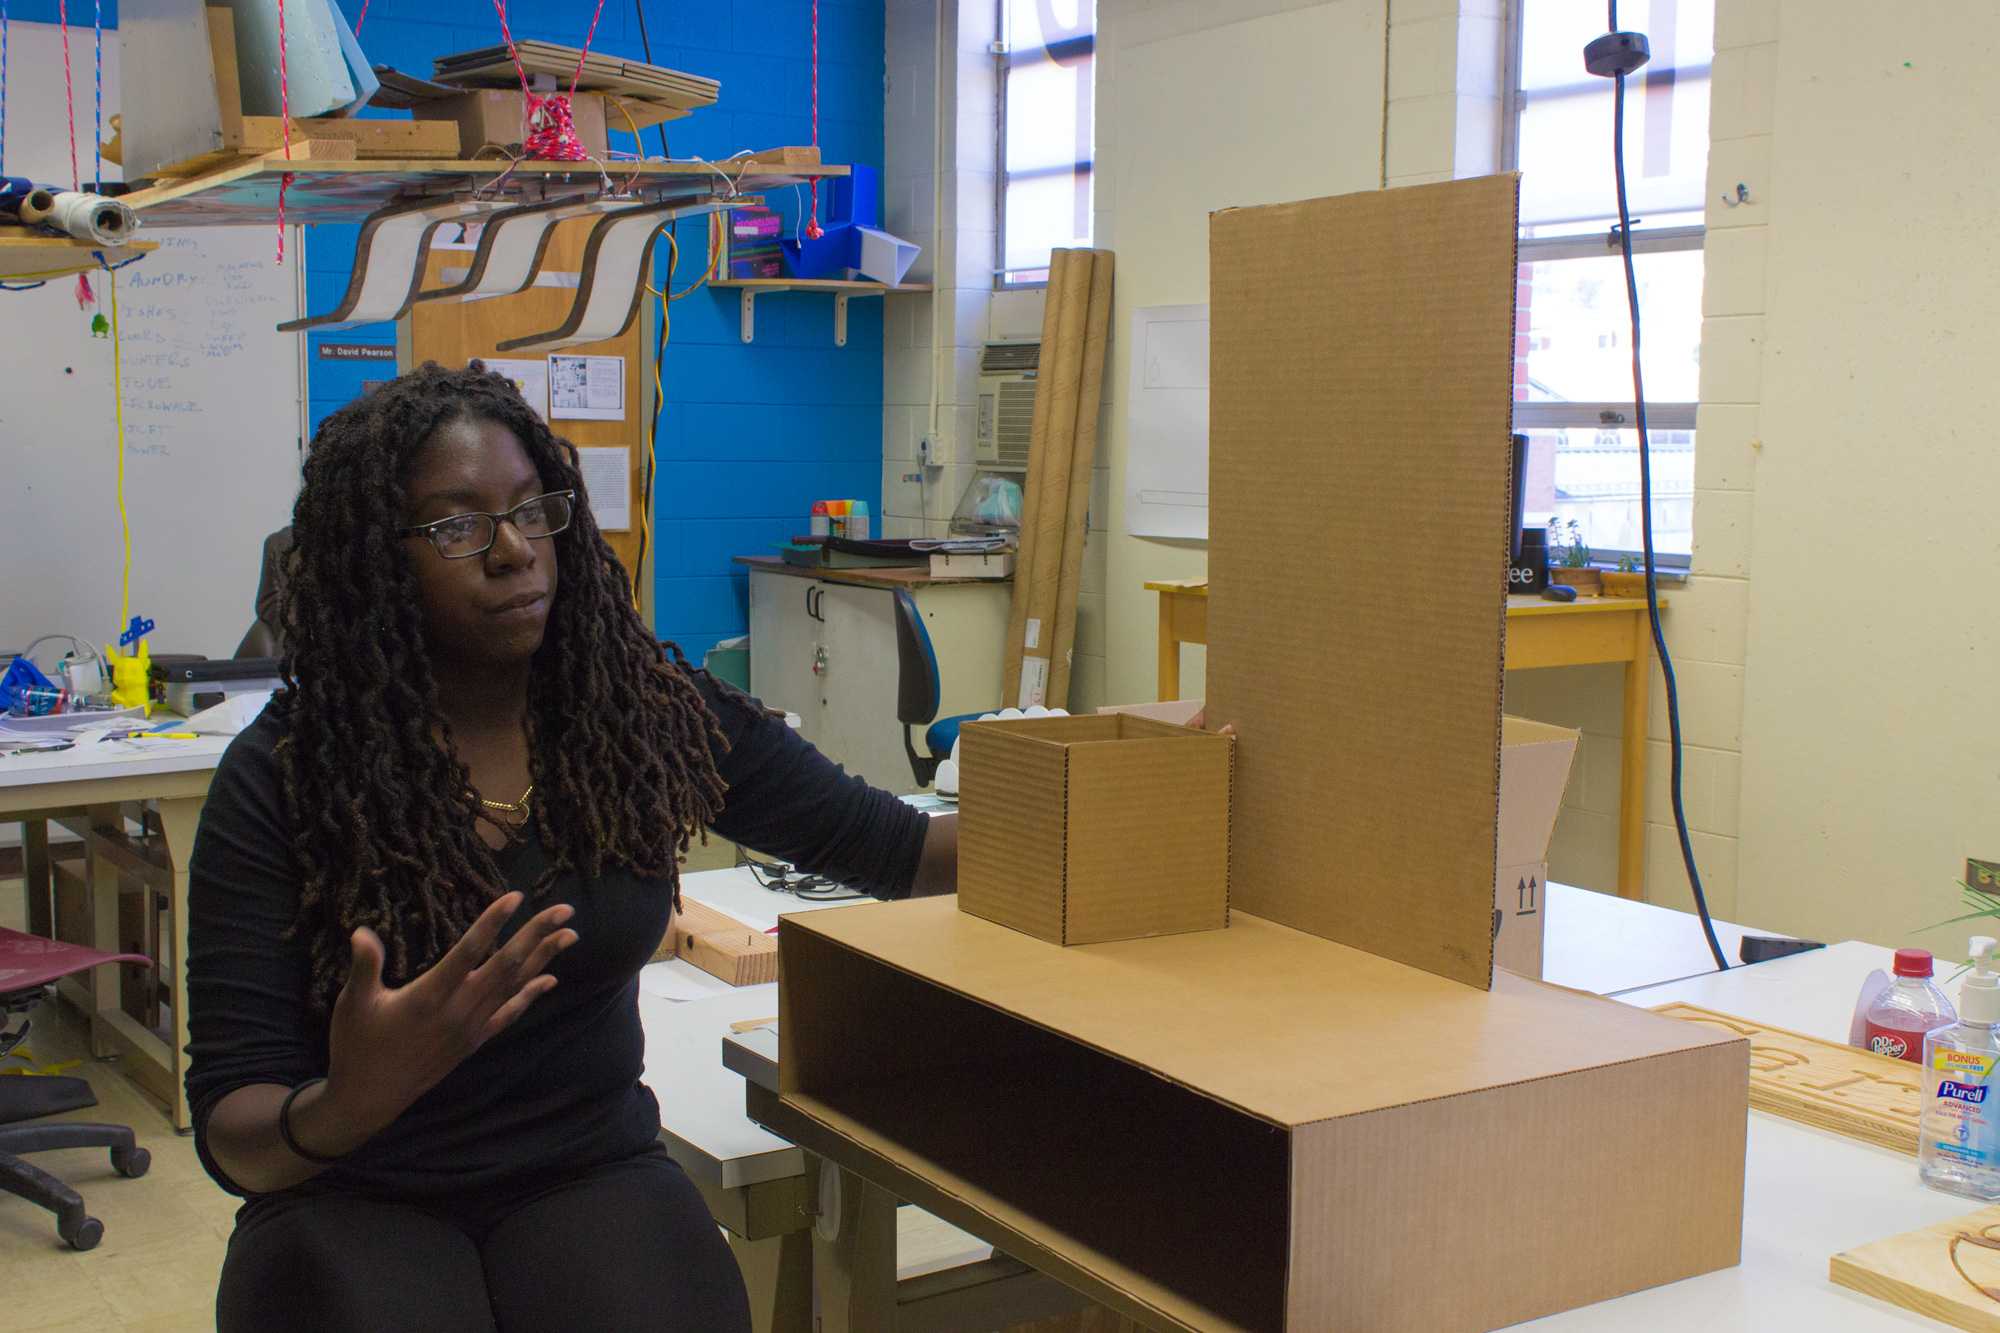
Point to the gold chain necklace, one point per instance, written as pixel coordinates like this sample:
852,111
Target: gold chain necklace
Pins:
507,807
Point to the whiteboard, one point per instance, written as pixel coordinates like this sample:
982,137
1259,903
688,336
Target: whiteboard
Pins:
1166,473
211,397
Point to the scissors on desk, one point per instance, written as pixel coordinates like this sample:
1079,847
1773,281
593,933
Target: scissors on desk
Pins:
40,747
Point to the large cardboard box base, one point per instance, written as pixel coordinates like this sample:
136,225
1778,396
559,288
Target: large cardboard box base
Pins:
1260,1129
1083,829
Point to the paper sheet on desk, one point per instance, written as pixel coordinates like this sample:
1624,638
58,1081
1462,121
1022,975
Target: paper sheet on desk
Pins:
680,984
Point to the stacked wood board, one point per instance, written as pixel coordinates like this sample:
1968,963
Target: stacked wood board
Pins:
647,90
322,138
1062,450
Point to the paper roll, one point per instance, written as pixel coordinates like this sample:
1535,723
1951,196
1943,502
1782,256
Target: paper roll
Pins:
1060,376
1031,489
1083,461
92,217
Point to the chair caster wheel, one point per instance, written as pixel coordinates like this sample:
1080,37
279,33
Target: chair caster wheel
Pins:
84,1235
131,1162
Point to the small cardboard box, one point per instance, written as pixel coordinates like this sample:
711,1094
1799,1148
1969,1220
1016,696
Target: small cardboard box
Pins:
494,116
1078,830
1260,1129
1534,769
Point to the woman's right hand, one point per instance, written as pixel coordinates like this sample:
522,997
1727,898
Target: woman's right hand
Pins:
391,1044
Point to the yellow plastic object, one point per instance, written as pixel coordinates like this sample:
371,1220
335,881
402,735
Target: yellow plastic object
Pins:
131,677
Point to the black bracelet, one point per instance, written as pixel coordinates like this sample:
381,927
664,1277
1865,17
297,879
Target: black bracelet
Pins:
285,1127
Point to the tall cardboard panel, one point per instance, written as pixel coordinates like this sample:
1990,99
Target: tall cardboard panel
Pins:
1361,386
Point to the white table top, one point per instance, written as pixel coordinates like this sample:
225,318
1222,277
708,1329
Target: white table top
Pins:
701,1102
1807,1195
90,759
1605,944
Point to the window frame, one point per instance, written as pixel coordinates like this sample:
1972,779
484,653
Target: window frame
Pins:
1003,64
1676,415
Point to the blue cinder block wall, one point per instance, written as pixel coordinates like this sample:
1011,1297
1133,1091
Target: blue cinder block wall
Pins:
750,435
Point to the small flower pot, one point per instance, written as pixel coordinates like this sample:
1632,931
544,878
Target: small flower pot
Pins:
1587,582
1624,583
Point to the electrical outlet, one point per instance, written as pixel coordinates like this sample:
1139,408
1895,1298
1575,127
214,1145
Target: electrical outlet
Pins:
1983,875
927,450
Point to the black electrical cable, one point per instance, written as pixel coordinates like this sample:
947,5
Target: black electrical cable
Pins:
646,48
1646,513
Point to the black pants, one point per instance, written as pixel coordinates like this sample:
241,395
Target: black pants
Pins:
629,1245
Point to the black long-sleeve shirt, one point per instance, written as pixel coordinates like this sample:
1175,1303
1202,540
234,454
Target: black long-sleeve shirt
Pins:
559,1091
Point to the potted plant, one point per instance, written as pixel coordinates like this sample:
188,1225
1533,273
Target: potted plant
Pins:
1573,566
1628,580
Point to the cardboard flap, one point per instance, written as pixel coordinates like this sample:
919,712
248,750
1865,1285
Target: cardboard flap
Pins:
1535,761
1361,370
1288,1027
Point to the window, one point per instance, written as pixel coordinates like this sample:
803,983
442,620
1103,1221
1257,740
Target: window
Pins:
1573,357
1046,131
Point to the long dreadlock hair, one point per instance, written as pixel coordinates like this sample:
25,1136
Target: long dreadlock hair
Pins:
382,813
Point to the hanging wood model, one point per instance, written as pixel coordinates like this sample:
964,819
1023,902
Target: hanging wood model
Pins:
1062,450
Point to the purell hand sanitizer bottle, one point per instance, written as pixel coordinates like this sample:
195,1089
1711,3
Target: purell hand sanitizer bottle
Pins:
1958,1140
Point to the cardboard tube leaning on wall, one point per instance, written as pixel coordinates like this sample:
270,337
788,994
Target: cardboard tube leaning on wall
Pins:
1064,382
1083,462
1017,611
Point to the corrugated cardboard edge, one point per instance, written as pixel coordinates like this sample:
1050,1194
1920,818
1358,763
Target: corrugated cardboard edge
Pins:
804,921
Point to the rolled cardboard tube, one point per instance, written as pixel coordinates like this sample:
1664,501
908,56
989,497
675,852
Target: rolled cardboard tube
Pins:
35,207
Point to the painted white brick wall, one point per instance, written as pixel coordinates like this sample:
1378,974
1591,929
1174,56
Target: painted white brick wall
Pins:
937,336
1707,620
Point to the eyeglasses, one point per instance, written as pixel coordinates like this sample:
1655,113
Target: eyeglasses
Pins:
463,536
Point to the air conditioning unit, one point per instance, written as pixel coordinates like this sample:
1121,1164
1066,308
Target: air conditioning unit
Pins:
1006,404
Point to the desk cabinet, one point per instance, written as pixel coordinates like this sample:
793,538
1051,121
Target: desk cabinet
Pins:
826,649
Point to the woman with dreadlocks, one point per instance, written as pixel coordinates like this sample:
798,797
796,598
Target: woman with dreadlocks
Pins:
428,876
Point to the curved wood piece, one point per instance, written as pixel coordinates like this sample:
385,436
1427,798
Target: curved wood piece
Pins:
614,274
389,261
512,246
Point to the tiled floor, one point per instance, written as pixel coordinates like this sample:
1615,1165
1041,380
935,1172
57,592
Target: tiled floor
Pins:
164,1233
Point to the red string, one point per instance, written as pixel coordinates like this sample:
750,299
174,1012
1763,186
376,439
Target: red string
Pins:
813,230
584,54
285,121
69,93
361,20
552,131
507,36
549,132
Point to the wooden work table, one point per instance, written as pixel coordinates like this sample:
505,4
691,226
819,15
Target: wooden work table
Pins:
1540,633
893,576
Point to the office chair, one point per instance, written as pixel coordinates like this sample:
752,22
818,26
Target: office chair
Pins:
264,638
31,966
918,692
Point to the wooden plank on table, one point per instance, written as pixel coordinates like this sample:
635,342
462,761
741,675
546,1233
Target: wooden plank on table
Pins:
1914,1270
372,139
721,946
1824,1084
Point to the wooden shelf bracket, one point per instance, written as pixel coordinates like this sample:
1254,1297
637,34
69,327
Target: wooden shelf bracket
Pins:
749,299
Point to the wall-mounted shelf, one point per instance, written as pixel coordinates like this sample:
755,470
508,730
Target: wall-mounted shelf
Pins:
841,288
27,255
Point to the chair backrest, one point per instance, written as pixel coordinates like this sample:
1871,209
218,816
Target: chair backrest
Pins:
917,689
263,639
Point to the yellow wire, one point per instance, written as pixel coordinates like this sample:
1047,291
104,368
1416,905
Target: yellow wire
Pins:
118,407
665,295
